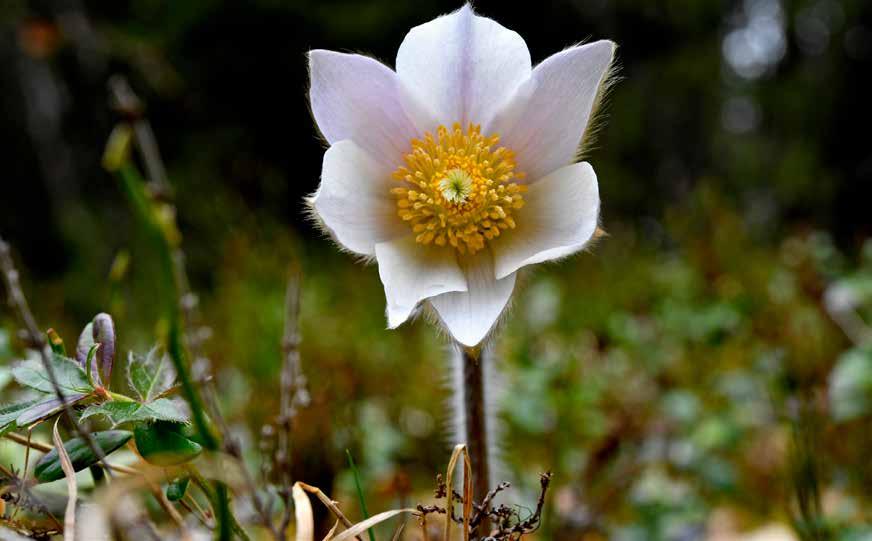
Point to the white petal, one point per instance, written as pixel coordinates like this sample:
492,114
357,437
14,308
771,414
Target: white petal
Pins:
358,98
470,315
546,119
354,199
560,217
463,66
412,272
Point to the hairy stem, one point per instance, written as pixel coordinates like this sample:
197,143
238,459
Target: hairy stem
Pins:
475,420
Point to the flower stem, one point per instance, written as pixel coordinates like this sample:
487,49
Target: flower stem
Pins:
476,420
134,187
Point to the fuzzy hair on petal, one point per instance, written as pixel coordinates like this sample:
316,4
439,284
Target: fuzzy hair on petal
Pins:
598,113
311,215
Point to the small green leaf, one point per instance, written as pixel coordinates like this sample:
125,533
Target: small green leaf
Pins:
162,444
151,375
49,466
177,488
360,497
85,343
89,364
70,376
162,409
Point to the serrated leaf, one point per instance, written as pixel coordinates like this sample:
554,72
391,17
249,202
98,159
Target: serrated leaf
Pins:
151,375
46,406
162,409
165,409
70,376
33,410
9,414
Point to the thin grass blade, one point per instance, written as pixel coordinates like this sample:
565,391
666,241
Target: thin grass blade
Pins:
365,525
360,498
72,489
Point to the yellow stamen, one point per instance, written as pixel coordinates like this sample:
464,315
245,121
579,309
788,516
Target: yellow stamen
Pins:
459,188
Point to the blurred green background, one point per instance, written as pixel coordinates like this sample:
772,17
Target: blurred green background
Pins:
665,376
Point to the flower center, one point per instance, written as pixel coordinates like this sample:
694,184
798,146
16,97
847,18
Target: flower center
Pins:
458,188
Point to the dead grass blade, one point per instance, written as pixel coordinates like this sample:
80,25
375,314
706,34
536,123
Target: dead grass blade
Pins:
330,504
399,532
365,525
72,489
332,531
303,514
459,450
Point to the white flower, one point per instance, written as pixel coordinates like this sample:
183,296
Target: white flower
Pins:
457,169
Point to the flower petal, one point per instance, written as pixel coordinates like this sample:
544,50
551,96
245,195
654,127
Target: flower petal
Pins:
545,120
354,200
412,272
358,98
470,315
560,217
463,66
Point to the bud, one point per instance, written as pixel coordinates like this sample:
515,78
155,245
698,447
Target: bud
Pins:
104,334
117,151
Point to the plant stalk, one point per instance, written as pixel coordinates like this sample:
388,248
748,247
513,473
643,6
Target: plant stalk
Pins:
474,405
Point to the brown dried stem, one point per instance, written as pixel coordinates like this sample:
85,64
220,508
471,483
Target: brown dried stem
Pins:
330,504
294,394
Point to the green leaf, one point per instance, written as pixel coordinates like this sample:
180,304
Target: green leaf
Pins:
9,414
30,411
47,406
177,488
165,409
360,497
162,409
49,466
5,376
151,375
163,444
89,365
70,376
